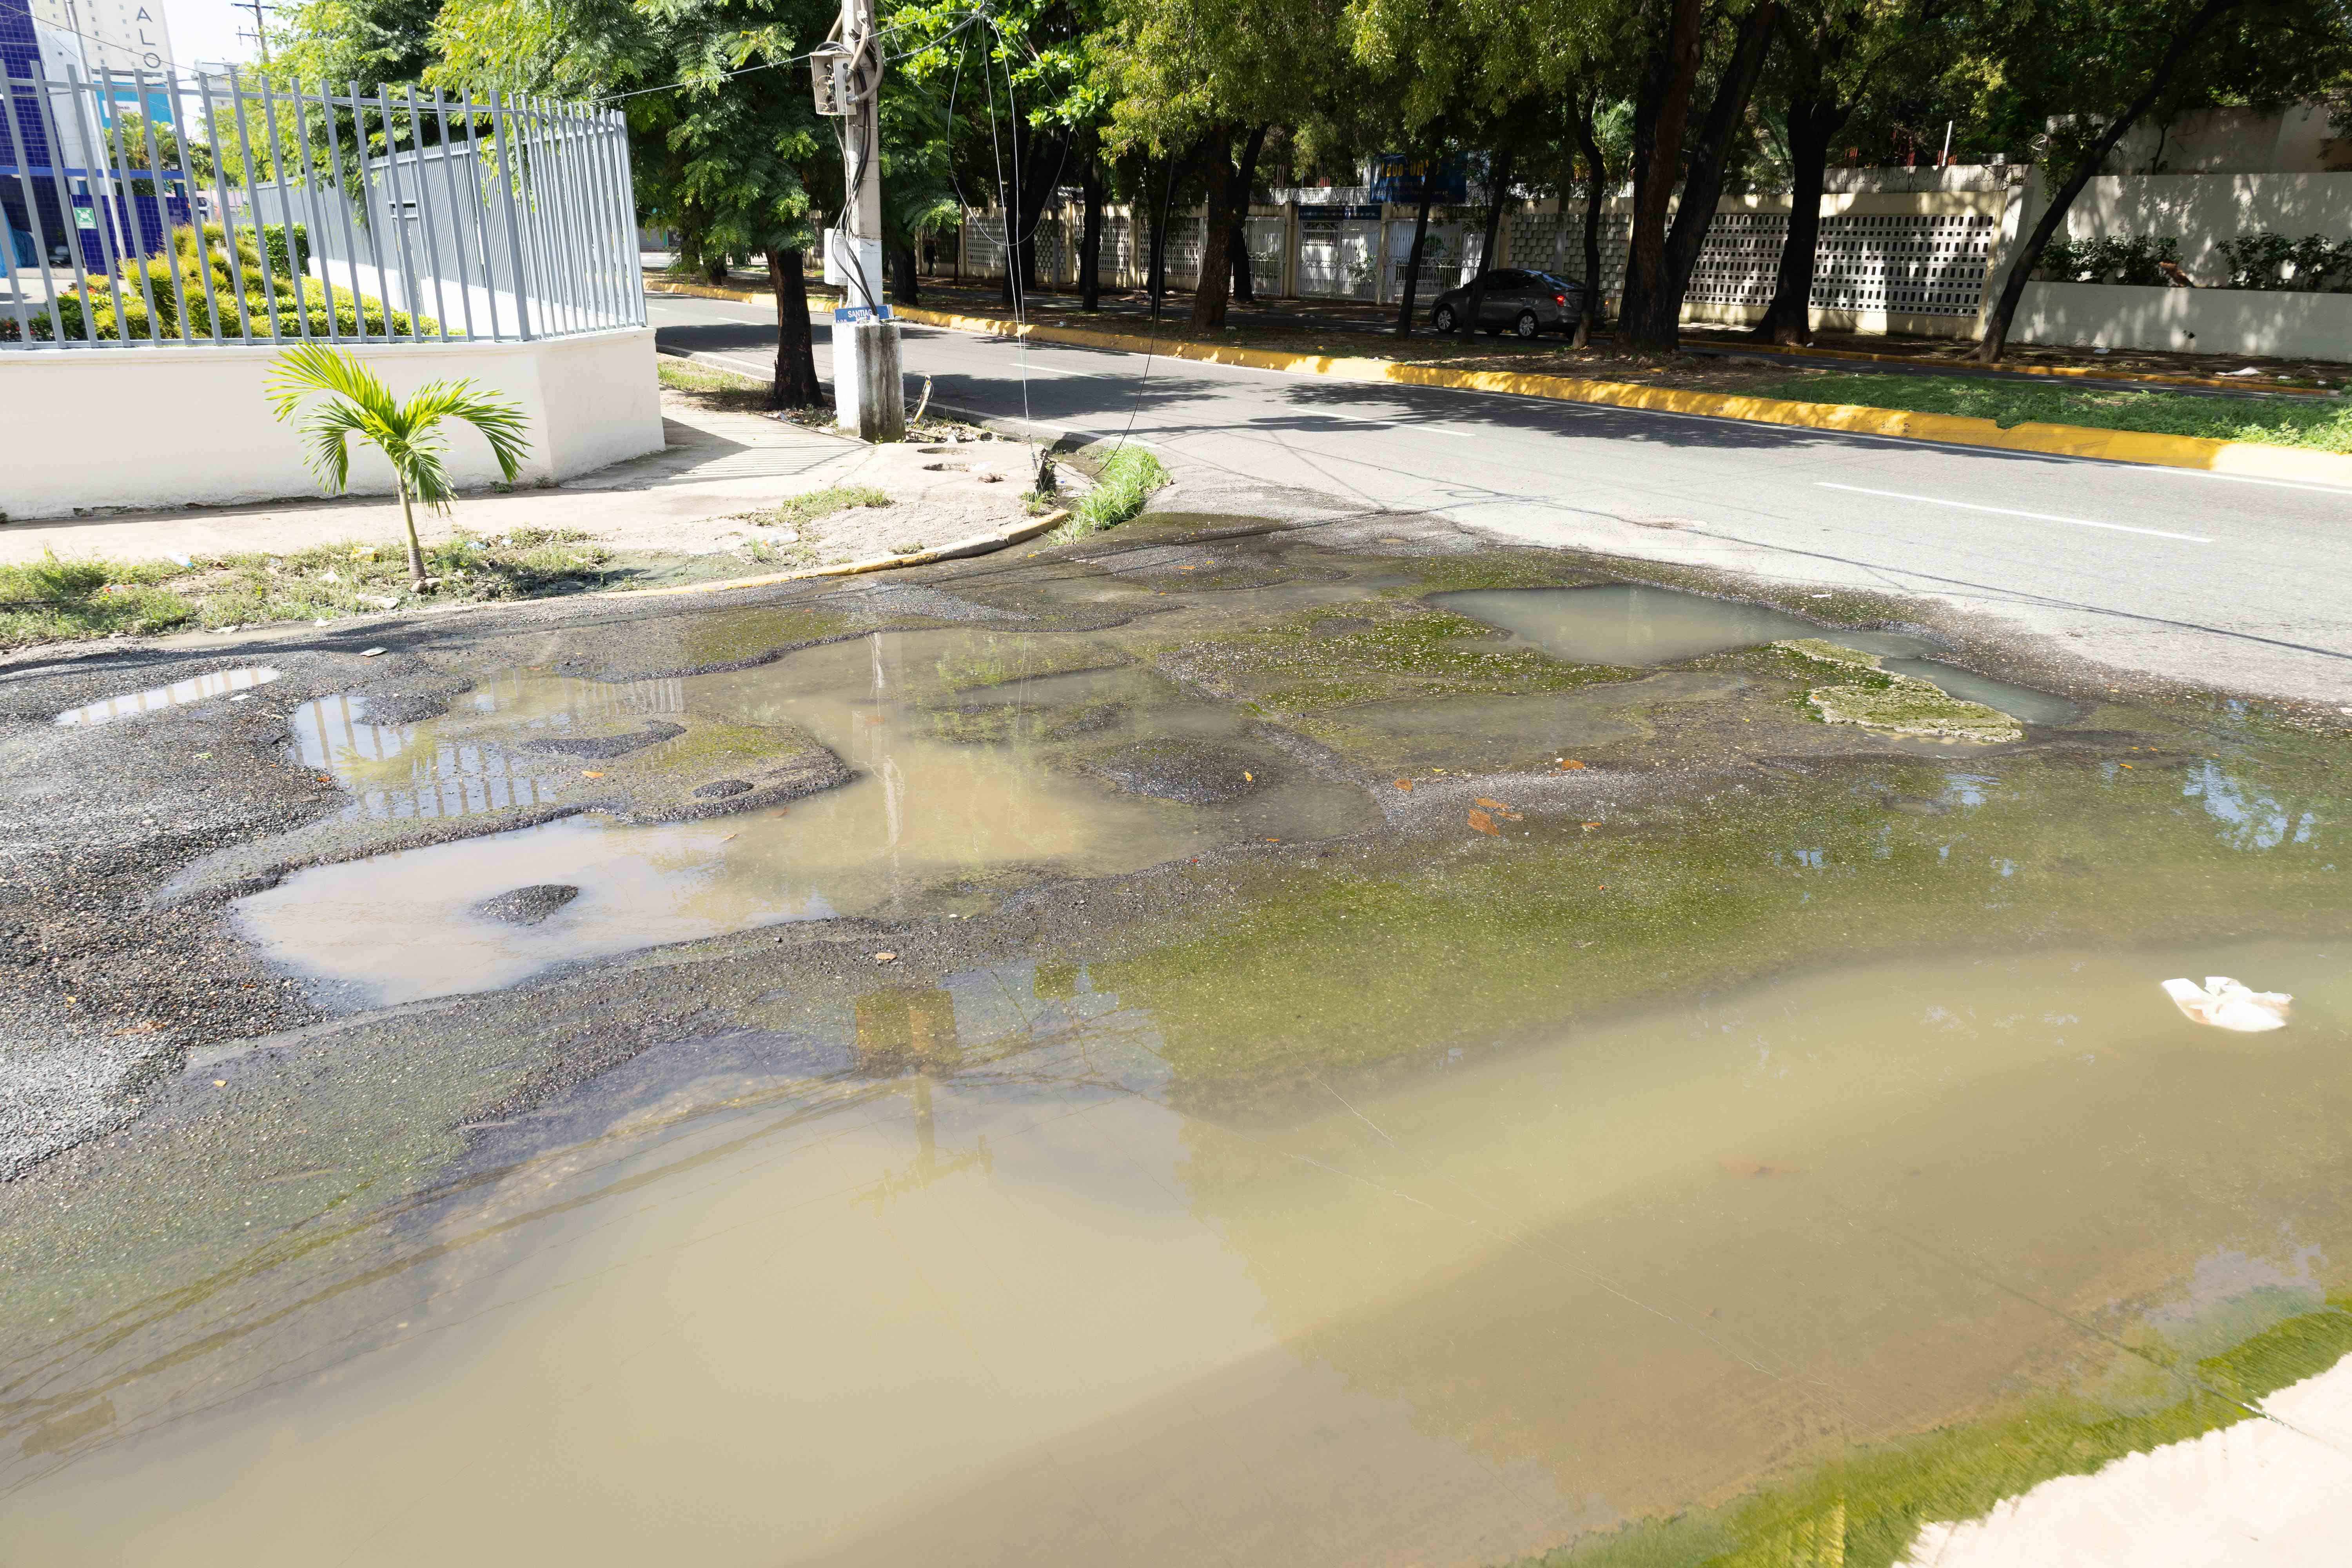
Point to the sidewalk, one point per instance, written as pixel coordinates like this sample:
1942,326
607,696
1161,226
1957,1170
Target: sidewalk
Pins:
691,498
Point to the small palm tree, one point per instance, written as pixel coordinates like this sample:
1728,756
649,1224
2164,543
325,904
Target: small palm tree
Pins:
407,434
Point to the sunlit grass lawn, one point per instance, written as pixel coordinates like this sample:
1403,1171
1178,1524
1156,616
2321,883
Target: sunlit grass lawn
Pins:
2325,422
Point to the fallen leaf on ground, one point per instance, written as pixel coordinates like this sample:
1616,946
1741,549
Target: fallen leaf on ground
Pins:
1483,823
1496,804
1249,778
885,958
370,652
220,1083
1405,784
590,773
1571,765
1588,826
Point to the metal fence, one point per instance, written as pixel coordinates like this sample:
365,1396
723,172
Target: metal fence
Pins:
148,210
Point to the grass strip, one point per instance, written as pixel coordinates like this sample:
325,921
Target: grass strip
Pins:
51,600
2325,424
1126,481
805,508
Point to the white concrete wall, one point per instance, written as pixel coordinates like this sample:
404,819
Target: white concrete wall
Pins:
149,427
2204,210
2202,321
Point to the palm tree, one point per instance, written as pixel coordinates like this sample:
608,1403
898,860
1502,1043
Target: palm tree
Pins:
407,434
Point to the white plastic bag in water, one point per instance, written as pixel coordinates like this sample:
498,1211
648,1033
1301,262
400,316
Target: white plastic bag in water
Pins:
2226,1005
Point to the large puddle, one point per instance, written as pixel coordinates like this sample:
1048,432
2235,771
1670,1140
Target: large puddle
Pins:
954,784
729,1306
1636,1099
1634,624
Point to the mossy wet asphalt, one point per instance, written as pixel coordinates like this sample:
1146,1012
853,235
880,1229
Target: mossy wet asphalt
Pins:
117,960
1543,841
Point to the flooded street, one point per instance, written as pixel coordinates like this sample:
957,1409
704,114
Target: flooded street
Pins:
1334,1047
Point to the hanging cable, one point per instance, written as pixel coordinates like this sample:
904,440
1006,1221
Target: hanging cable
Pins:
878,34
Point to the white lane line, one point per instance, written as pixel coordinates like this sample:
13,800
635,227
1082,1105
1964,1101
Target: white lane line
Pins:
2006,512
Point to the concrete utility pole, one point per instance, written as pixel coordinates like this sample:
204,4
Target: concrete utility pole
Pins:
868,388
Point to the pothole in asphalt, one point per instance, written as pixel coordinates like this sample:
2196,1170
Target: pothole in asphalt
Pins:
969,753
1636,623
1571,1140
220,683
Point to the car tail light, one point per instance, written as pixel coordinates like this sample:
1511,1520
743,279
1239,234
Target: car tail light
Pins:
1559,298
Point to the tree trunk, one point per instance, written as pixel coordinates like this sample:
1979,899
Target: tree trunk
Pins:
904,290
1213,286
1237,242
1660,326
1498,180
1419,233
408,520
1155,266
2012,290
1037,163
1660,113
795,385
1091,182
1596,192
1789,319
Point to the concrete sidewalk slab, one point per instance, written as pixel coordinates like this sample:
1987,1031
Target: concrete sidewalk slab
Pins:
689,499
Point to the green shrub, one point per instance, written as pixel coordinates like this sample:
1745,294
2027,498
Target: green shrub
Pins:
2312,264
201,288
2138,260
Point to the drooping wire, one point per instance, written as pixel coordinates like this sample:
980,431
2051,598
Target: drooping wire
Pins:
879,33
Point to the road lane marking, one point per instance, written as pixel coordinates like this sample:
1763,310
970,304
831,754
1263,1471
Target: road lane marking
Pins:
2006,512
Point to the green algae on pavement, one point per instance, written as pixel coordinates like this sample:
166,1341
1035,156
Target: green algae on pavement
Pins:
1866,1509
1358,956
1878,698
1287,669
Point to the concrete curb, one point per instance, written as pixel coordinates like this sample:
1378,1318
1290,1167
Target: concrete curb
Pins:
978,545
2068,372
2243,459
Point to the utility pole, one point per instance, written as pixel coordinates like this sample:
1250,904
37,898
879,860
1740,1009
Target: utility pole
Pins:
869,390
260,33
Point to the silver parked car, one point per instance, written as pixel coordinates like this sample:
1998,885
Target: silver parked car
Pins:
1517,302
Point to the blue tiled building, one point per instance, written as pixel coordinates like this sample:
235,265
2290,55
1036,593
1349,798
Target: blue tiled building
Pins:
52,152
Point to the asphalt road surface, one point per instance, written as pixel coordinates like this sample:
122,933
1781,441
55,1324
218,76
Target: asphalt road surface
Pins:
2239,584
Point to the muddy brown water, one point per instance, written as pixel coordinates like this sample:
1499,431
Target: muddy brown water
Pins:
1027,1311
1428,1195
926,810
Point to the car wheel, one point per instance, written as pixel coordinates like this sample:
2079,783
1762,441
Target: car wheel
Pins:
1442,318
1526,326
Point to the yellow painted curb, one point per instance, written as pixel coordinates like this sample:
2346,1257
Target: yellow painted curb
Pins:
978,545
2245,458
2084,371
